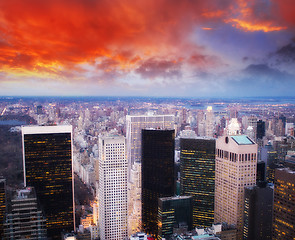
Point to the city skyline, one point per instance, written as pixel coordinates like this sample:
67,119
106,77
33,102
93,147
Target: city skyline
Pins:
150,48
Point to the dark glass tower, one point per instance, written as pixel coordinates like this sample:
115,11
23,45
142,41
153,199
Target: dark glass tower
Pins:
258,212
260,129
2,204
260,174
283,226
197,177
174,212
157,174
47,155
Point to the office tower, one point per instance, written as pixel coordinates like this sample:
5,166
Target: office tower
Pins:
258,212
24,219
260,175
252,121
174,212
235,168
112,188
283,226
2,204
209,122
201,123
197,177
134,125
157,174
47,159
260,129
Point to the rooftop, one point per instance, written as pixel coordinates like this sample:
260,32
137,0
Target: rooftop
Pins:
242,140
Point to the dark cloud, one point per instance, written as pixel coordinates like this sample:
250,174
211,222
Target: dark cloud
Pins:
262,72
153,68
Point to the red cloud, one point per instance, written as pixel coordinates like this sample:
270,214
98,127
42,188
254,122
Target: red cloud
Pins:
56,36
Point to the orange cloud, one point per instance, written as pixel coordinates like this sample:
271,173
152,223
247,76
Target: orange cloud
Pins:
54,35
252,27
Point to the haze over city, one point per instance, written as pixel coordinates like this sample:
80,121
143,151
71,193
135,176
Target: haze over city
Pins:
147,48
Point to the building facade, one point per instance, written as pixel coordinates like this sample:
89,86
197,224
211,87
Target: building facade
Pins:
235,168
197,177
284,205
157,174
134,125
112,188
2,204
47,159
174,212
24,219
258,212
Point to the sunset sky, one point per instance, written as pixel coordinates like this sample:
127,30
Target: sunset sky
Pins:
198,48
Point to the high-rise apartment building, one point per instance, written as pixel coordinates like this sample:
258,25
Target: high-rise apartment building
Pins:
47,159
174,212
197,177
112,188
258,212
24,218
2,204
284,205
157,174
134,125
235,169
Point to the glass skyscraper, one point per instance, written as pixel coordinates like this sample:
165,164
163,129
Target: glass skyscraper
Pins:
47,158
197,177
157,174
2,204
174,212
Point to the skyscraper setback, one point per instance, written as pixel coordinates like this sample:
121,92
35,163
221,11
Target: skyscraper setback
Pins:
197,177
157,174
236,160
47,159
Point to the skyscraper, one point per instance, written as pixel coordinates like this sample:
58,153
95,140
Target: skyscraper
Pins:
235,168
284,205
134,125
2,204
47,159
24,219
197,177
258,212
157,174
174,211
112,188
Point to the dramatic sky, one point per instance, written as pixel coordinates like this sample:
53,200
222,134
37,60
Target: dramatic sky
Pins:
199,48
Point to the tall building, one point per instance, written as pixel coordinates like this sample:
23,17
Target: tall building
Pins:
157,174
197,177
258,212
24,218
47,159
2,204
210,122
174,212
260,175
235,168
284,205
112,188
134,125
260,129
252,121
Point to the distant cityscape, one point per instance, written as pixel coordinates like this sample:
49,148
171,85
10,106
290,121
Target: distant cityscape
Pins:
139,168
